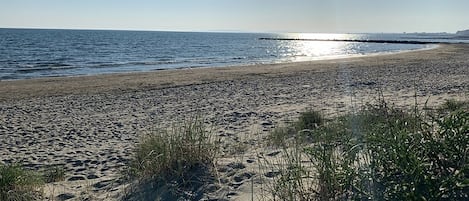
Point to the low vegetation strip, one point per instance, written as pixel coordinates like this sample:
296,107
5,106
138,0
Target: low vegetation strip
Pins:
377,153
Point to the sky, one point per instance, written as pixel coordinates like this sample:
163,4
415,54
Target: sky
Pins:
311,16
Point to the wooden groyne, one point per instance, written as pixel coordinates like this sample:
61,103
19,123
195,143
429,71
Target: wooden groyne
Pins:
359,41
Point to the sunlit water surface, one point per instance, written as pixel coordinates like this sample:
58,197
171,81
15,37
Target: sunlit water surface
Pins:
30,53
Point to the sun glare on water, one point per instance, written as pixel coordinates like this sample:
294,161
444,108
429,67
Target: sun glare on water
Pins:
312,50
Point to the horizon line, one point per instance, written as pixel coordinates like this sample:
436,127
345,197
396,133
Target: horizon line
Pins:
215,31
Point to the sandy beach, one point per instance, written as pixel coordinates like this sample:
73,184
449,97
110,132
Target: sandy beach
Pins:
90,124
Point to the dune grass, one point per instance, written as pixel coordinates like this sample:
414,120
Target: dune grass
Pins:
307,121
452,105
53,173
377,153
175,161
18,184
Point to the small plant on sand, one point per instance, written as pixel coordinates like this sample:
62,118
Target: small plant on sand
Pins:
382,153
175,161
452,105
18,184
280,135
309,120
54,174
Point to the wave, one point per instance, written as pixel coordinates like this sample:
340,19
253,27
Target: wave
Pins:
51,66
44,67
136,63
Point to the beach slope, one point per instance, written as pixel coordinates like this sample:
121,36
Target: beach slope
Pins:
90,124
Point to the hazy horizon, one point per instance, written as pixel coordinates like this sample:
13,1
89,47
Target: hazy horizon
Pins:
220,31
258,16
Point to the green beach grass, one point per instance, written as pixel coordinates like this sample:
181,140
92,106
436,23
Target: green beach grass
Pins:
376,153
18,184
170,163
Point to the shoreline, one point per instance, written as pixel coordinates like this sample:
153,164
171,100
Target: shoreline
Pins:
9,87
90,125
297,60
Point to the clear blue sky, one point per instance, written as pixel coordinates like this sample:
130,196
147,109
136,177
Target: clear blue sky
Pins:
240,15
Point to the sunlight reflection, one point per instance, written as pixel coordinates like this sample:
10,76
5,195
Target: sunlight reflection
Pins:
312,50
307,49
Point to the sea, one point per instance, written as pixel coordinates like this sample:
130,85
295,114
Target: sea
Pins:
37,53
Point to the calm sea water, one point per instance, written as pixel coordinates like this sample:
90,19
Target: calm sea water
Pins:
33,53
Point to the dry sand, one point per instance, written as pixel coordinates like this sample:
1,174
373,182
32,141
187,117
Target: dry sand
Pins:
90,124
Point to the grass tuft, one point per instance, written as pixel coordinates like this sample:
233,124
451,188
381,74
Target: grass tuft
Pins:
175,161
299,130
309,120
54,174
18,184
453,105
